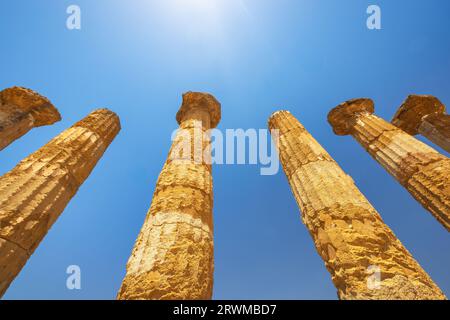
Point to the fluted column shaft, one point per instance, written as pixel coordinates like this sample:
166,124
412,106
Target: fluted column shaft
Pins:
173,255
36,191
21,110
425,115
423,171
348,232
436,127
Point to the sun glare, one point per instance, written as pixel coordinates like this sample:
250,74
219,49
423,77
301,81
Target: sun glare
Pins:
196,6
200,18
203,24
196,3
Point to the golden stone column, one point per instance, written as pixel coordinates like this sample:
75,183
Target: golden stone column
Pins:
173,254
36,191
348,232
425,115
22,110
423,171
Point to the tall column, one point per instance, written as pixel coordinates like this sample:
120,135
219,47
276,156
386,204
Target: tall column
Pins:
425,115
36,191
21,110
423,171
173,254
357,246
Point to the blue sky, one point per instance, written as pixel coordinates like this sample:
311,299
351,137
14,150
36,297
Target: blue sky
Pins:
256,56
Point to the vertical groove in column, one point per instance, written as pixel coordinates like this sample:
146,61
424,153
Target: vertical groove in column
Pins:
423,171
36,191
348,232
21,110
173,255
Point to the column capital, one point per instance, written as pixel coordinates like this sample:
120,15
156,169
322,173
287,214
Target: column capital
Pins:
27,100
199,101
271,122
410,114
342,117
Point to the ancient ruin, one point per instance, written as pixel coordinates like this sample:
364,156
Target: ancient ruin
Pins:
425,115
21,110
36,191
423,171
173,254
348,232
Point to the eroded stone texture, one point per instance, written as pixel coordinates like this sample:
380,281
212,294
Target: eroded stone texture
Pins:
21,110
423,171
173,255
348,232
36,191
425,115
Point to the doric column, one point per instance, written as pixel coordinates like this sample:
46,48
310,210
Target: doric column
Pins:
357,246
423,171
21,110
36,191
425,115
173,254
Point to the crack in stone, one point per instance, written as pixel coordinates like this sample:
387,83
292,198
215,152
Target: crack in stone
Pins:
17,245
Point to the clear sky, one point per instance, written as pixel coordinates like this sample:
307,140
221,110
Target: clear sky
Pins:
256,56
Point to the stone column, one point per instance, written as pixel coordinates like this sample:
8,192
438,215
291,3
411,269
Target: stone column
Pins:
423,171
357,246
36,191
425,115
173,254
21,110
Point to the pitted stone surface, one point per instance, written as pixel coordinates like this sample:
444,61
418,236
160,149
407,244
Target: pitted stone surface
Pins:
36,191
348,232
173,257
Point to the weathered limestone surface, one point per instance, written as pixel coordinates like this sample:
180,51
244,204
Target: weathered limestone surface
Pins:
425,115
21,110
423,171
173,255
348,232
36,191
